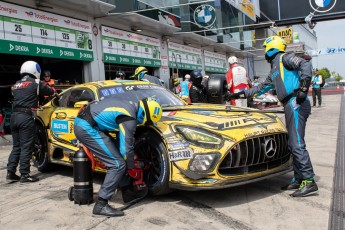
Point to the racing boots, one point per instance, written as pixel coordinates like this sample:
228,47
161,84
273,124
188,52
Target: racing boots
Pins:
294,184
26,178
12,177
102,208
307,187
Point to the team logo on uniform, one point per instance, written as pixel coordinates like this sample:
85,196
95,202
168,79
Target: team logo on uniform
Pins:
205,16
322,6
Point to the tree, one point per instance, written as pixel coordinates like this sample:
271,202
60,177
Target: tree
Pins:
325,73
338,77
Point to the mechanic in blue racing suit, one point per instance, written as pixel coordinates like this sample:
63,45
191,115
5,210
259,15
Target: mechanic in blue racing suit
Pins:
291,76
91,128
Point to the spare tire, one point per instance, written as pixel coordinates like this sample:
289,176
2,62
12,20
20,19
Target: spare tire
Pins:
216,88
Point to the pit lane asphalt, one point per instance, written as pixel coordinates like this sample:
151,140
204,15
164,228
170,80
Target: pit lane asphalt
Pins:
259,205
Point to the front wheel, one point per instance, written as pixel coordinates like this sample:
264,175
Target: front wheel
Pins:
151,150
40,155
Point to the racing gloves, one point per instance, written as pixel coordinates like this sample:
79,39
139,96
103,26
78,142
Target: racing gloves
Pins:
302,92
232,96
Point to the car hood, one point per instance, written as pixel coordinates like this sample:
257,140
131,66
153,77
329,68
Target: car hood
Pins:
217,117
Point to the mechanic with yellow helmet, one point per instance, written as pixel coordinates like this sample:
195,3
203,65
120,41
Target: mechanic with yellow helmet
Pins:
91,128
140,74
291,76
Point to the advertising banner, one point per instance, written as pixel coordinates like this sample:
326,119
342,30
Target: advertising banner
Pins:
123,47
184,57
286,34
27,31
215,62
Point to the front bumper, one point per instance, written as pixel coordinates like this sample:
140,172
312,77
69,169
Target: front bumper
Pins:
228,183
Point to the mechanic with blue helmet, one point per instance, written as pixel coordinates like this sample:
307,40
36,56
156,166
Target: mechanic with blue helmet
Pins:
26,93
91,128
291,77
197,92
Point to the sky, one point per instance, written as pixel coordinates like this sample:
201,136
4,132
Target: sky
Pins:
331,34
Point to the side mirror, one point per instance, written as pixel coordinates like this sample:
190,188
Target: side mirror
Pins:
79,104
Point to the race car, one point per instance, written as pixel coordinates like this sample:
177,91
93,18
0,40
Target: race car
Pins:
193,147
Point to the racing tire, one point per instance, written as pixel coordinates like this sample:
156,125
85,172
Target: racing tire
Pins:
216,88
150,148
71,193
40,155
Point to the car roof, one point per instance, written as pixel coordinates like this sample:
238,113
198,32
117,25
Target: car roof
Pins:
106,83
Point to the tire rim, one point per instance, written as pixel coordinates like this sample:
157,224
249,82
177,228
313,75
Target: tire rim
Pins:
150,156
38,154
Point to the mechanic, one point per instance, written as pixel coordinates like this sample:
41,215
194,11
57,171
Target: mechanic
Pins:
237,80
140,74
290,75
177,87
256,81
47,81
91,128
120,75
25,101
316,88
185,87
197,92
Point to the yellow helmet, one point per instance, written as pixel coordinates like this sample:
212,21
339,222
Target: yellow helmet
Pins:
149,111
139,73
273,45
176,81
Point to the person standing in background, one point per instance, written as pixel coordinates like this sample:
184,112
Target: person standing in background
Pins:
316,82
237,80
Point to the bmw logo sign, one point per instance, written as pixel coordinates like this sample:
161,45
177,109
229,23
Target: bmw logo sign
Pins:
322,6
205,16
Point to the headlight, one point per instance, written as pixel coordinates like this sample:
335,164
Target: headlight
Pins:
199,136
203,162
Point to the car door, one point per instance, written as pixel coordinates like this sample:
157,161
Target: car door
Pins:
62,120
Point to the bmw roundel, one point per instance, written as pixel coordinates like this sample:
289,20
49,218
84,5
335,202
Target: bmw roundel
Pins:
205,16
322,6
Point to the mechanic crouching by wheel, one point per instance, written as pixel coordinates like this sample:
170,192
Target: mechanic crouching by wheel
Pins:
26,93
91,128
292,90
197,92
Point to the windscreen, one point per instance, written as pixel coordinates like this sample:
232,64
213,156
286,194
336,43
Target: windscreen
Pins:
137,92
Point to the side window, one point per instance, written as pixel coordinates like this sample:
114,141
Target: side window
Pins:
64,99
79,95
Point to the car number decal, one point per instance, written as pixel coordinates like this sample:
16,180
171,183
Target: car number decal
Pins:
180,154
60,126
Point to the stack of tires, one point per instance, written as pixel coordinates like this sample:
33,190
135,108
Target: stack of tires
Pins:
216,88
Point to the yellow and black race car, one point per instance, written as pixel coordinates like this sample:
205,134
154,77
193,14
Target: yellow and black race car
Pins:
193,147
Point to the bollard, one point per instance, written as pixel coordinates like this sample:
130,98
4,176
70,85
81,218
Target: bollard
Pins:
82,191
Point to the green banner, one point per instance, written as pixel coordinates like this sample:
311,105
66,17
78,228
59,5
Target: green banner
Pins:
21,48
185,66
215,69
121,59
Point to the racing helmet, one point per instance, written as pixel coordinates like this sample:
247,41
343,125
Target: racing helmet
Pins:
274,45
149,112
176,81
31,68
46,73
196,77
232,60
120,74
139,73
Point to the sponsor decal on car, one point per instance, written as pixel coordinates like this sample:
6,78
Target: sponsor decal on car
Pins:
179,145
60,126
180,154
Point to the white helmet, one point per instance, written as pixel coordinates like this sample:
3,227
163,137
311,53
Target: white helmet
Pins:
232,60
31,67
187,76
